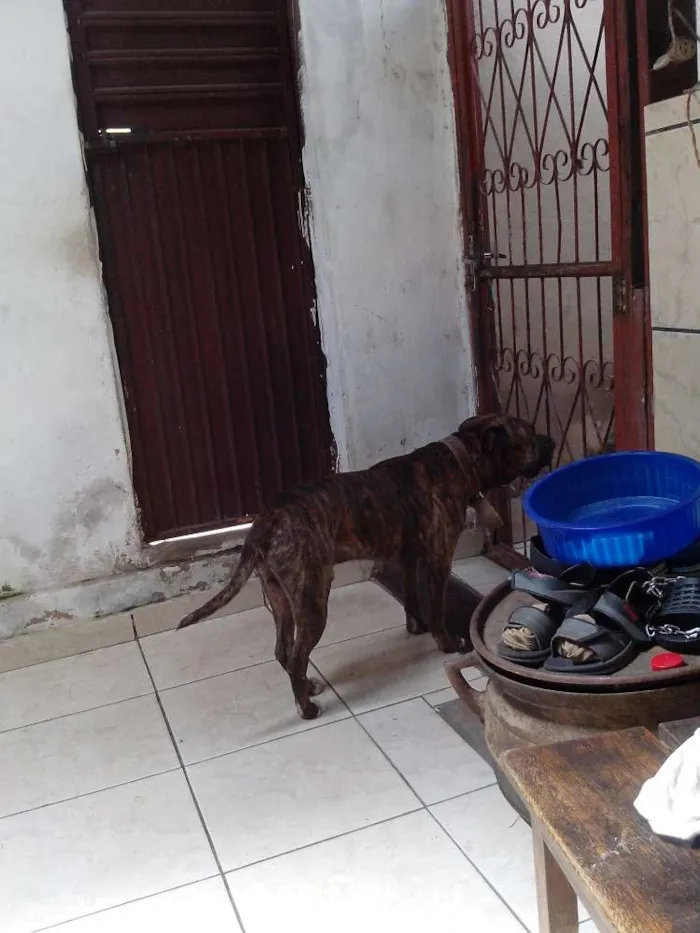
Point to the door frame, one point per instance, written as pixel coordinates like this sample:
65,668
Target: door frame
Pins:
628,90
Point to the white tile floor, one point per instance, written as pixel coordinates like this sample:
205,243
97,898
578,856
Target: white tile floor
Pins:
167,784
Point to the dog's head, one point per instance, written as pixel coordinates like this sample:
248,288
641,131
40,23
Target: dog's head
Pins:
506,448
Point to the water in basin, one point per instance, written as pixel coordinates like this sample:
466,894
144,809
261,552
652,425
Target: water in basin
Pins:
620,511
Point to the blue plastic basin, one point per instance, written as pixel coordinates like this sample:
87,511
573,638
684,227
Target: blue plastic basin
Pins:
618,510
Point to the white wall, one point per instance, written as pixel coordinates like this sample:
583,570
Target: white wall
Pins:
66,507
380,163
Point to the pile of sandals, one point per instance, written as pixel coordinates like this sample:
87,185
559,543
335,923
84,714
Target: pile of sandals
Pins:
590,621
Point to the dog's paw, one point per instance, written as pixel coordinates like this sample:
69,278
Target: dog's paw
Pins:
316,686
414,627
449,644
309,711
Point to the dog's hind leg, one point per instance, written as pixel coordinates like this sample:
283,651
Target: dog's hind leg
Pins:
310,613
283,616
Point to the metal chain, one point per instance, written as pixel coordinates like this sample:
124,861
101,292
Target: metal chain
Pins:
657,586
688,634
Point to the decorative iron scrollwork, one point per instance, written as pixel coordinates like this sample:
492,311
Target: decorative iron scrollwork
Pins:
582,410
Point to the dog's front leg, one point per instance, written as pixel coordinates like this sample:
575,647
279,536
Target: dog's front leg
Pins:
416,623
437,574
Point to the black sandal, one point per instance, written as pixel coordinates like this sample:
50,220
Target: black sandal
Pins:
590,576
611,625
675,625
558,588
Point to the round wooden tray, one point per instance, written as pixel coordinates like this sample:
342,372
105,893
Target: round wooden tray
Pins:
488,622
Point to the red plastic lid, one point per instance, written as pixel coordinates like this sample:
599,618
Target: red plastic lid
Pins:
667,661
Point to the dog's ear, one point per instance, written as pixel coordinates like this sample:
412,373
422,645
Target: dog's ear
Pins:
472,425
494,439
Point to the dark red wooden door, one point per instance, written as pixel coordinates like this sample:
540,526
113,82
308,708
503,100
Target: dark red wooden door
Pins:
552,185
189,115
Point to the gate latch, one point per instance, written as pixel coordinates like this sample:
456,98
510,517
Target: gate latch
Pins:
476,260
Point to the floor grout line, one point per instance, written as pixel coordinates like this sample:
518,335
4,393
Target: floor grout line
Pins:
78,712
61,657
201,680
276,738
415,696
318,842
466,793
389,761
474,790
402,775
271,659
478,871
135,900
64,657
207,833
89,793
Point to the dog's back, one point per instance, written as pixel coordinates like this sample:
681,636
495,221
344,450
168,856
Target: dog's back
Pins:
367,514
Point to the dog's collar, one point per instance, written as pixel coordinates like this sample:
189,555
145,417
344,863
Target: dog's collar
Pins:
487,516
465,462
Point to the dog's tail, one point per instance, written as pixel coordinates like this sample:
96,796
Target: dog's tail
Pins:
244,569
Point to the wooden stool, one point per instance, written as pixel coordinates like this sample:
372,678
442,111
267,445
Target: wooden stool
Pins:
591,842
676,733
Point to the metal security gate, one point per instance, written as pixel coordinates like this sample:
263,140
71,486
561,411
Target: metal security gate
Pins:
552,191
191,133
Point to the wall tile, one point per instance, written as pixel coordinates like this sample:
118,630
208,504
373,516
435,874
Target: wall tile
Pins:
673,184
677,392
671,112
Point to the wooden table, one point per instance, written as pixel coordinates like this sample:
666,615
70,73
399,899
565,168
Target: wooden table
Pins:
591,842
676,733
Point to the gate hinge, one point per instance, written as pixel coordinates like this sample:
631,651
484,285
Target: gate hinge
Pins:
621,295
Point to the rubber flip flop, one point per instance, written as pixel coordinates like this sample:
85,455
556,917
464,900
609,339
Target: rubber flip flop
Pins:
675,625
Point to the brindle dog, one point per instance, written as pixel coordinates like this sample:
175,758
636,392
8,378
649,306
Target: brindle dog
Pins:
409,510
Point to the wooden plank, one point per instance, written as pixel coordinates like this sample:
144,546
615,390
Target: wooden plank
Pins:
583,792
556,899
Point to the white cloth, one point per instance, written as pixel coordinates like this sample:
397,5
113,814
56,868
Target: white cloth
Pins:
670,801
